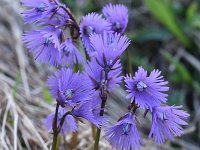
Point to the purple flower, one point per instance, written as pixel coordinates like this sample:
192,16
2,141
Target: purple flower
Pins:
70,54
45,12
36,9
92,23
117,15
124,134
56,16
96,76
54,33
85,111
146,91
166,123
42,47
96,104
69,88
69,124
108,47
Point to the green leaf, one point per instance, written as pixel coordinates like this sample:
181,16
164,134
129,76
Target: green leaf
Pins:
176,98
183,74
191,12
163,12
47,97
196,21
17,82
196,86
153,33
142,61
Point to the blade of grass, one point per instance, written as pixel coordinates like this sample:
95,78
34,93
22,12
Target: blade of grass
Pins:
163,12
183,73
17,82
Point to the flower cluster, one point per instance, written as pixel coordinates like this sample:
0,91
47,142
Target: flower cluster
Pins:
51,43
83,94
147,92
115,21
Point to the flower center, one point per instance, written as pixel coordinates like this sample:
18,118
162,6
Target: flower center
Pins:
126,128
117,27
68,94
66,51
162,116
88,30
41,8
141,86
109,62
47,42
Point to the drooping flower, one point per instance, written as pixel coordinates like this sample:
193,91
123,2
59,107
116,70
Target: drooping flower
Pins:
96,104
70,54
92,23
42,47
54,33
56,16
166,123
69,88
146,91
44,11
36,9
124,134
117,15
96,76
108,47
85,111
69,124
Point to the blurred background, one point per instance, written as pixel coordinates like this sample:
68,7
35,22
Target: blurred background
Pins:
165,35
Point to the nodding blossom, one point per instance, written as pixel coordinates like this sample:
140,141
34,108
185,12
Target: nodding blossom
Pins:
124,134
68,126
43,11
166,123
96,76
42,47
69,53
117,15
69,88
146,91
108,47
90,24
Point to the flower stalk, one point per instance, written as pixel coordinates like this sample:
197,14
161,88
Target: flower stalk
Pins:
57,128
103,95
55,131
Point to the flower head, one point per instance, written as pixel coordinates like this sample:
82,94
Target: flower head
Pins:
96,76
42,47
35,10
108,47
56,15
43,11
69,88
70,54
117,15
92,23
124,134
146,91
166,123
54,33
69,124
85,111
